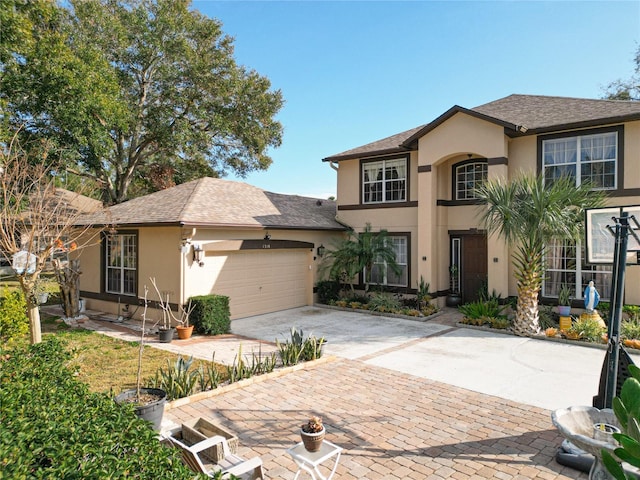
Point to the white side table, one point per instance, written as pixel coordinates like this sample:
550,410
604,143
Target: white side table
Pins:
310,461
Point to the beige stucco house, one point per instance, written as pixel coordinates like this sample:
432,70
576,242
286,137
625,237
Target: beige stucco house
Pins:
419,185
209,236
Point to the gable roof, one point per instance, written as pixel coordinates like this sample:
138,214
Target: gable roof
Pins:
213,202
519,115
388,145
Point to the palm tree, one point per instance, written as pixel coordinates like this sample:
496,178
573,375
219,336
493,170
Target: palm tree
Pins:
529,212
359,253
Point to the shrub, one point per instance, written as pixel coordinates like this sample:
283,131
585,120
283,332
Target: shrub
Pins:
630,329
362,299
53,427
328,291
211,314
13,315
547,317
490,308
381,302
633,311
429,309
499,323
588,329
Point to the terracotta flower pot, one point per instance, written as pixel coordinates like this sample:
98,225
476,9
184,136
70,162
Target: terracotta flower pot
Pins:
312,441
184,332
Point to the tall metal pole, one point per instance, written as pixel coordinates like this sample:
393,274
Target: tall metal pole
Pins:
619,266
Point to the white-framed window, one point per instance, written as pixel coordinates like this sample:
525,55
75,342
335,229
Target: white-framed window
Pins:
384,181
564,266
121,252
381,274
586,158
468,177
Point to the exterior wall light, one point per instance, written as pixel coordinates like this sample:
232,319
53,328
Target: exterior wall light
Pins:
198,254
321,250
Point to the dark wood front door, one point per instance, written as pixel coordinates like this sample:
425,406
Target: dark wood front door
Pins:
473,266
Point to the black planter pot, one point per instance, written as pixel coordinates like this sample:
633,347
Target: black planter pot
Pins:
453,300
152,411
165,335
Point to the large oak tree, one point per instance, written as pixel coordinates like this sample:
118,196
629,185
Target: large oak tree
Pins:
628,89
137,94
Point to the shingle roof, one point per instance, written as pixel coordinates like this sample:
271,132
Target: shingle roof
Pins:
536,113
385,146
216,202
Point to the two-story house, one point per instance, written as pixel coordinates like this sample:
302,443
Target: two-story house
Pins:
419,186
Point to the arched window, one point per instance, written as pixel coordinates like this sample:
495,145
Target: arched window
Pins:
468,176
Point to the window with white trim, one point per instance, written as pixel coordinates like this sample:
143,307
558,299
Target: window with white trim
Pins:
384,181
586,158
121,263
469,176
564,266
382,274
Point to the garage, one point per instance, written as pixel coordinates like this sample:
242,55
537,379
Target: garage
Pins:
261,280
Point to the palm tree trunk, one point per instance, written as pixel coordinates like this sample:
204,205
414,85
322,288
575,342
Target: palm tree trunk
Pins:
526,321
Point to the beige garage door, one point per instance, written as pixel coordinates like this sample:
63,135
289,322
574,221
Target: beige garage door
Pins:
261,281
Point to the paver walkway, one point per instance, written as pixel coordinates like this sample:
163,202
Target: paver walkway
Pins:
391,425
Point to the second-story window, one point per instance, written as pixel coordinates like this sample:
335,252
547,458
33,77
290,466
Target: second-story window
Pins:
586,158
469,176
384,181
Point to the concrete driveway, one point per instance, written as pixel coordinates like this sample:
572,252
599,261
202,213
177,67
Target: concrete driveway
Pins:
536,372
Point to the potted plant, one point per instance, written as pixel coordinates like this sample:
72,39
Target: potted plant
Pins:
564,300
149,402
165,332
453,298
312,434
185,330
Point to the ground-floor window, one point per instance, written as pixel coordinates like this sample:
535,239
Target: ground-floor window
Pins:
120,267
382,274
565,265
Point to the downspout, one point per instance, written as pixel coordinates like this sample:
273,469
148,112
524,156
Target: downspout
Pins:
185,239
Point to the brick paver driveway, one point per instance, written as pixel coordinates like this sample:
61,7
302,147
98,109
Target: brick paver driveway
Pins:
391,425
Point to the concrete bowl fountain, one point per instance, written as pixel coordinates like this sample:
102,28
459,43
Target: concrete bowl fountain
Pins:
591,430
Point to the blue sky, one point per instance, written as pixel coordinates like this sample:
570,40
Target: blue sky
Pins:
352,72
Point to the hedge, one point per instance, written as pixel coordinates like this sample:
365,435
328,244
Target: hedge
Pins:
53,427
13,315
211,314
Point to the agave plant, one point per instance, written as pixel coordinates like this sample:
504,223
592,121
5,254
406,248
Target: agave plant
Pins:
627,411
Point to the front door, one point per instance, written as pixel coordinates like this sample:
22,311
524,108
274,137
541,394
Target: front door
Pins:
469,253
